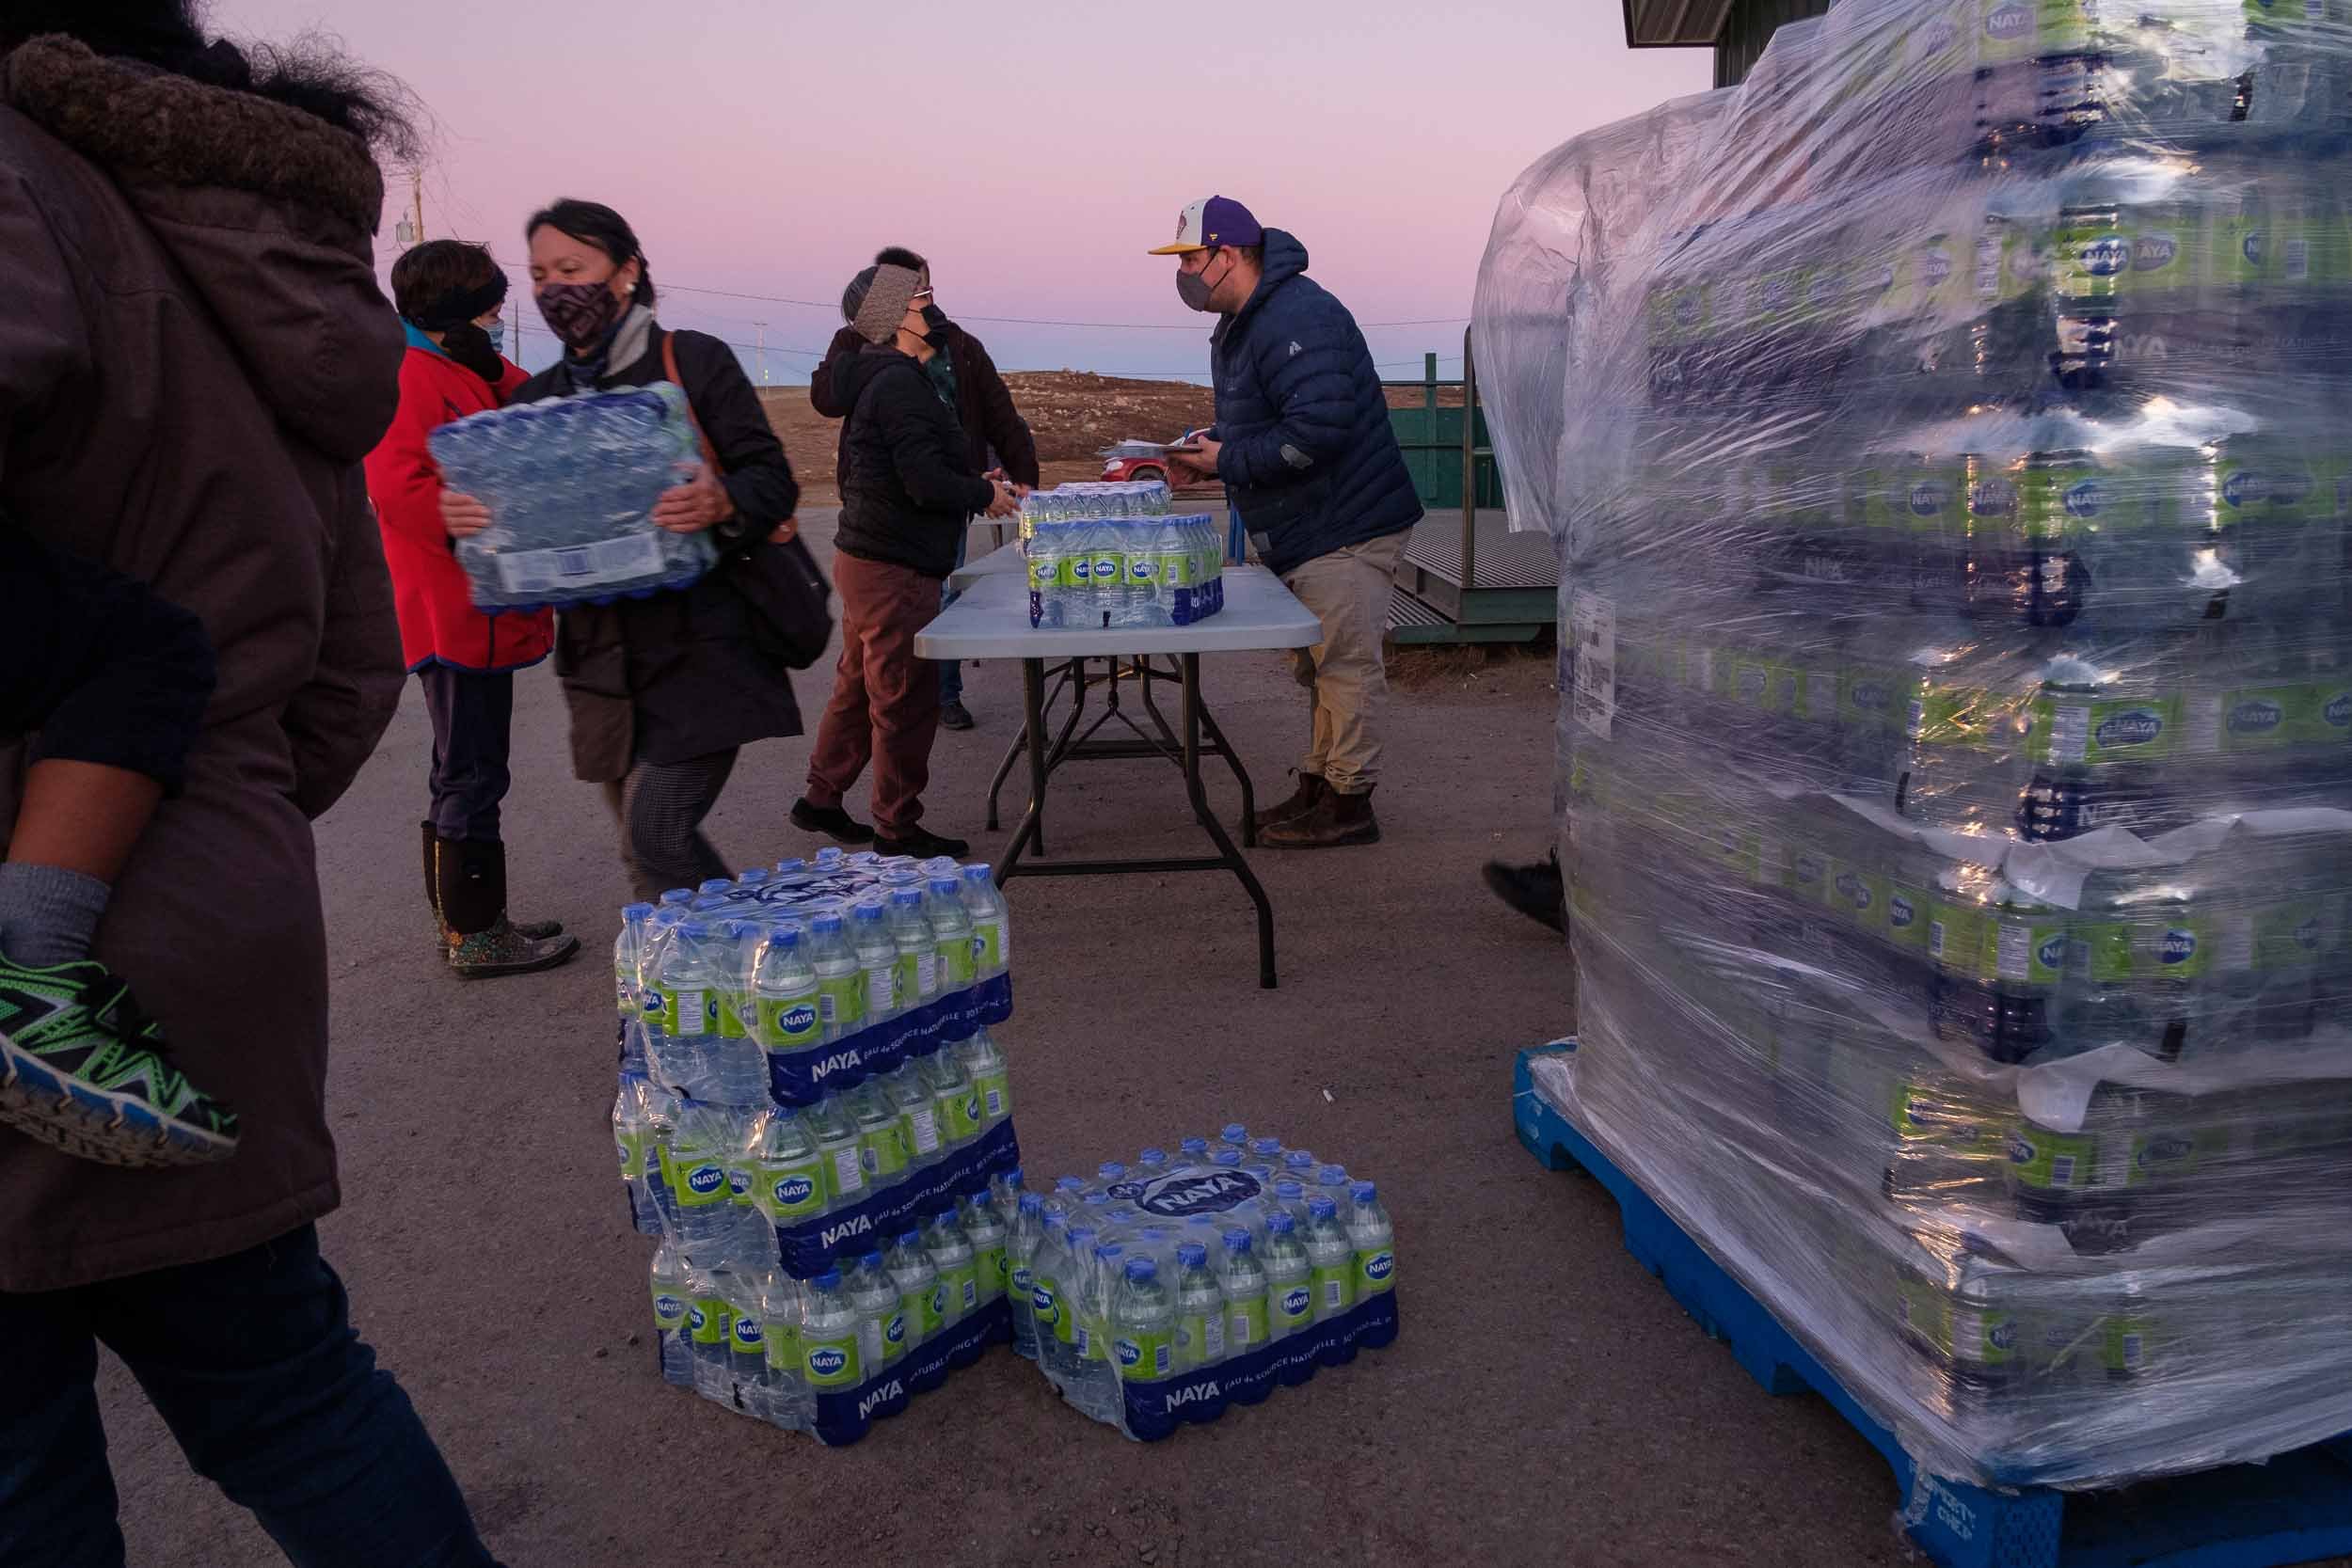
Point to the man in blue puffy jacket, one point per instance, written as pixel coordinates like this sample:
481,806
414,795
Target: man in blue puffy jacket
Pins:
1303,444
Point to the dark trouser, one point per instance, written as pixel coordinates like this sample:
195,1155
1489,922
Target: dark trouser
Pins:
661,807
951,670
472,713
252,1363
885,701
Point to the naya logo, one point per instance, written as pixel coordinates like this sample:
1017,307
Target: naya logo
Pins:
2179,946
2086,500
827,1361
2009,23
1775,293
1992,498
1855,890
972,1109
2104,257
1083,569
1873,696
1935,265
1192,1393
703,1180
2020,1153
748,1331
2132,727
2291,487
939,1301
667,1306
799,1019
2153,252
1688,308
2307,936
1105,568
1379,1265
1901,912
894,1331
2242,489
1178,1198
2002,1334
1042,1300
2256,716
832,1235
793,1191
2053,951
2170,1149
888,1391
2252,246
1130,1354
1933,41
840,1061
2338,713
1296,1301
696,1319
1809,869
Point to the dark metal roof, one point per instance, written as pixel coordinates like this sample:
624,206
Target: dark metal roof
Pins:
1674,24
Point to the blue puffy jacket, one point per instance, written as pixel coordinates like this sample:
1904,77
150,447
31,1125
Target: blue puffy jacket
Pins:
1309,456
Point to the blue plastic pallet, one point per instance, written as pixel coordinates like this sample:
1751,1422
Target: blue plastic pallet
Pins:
2293,1509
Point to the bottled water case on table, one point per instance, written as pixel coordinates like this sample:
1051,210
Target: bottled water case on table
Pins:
571,485
1166,1291
1110,554
814,1119
1948,431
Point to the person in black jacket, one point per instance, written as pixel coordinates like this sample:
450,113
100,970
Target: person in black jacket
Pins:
908,485
666,690
995,436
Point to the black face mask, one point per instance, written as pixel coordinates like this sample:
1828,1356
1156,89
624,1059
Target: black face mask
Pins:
934,318
471,347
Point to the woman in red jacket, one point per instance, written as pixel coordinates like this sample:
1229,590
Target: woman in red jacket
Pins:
448,293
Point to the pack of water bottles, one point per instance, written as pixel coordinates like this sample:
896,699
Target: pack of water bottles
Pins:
811,1105
1170,1289
1950,434
1109,554
571,485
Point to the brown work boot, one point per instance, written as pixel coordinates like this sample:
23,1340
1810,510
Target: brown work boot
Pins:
1335,820
1311,789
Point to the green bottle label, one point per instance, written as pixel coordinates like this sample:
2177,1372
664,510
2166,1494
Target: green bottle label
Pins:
1144,1355
918,1126
2030,950
1335,1289
701,1181
2081,730
995,1272
1200,1338
786,1191
957,963
832,1363
1375,1271
669,1310
1292,1305
784,1346
921,1310
894,1337
1045,1307
882,1150
988,944
632,1148
790,1022
996,1091
707,1319
1956,936
2123,1345
841,1001
960,1290
2048,1161
1246,1324
689,1013
736,1017
1093,1339
963,1116
845,1171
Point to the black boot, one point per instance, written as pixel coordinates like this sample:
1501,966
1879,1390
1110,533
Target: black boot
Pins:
1537,890
1336,821
535,928
469,876
1311,789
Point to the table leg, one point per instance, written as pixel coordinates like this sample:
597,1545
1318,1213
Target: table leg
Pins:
1215,829
1241,776
1033,730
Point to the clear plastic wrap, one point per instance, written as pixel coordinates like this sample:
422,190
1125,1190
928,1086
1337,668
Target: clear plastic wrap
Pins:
816,1122
571,485
1949,435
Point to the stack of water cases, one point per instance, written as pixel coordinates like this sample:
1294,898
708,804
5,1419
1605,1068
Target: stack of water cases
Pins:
1949,434
814,1119
1167,1290
1111,555
571,485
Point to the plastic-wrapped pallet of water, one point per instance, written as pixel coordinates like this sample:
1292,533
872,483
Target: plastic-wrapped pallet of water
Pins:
1118,572
1947,432
1093,498
1174,1286
812,1106
571,485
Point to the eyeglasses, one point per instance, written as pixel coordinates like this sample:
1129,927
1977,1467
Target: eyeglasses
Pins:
922,296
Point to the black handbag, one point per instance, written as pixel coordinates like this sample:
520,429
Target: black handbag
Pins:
777,578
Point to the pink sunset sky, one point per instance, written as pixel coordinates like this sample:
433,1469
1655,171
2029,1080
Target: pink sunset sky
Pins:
1032,151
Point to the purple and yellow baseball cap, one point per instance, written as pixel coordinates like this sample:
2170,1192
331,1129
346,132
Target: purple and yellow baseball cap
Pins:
1213,221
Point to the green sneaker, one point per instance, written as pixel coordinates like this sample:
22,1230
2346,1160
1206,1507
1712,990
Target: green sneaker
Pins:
83,1069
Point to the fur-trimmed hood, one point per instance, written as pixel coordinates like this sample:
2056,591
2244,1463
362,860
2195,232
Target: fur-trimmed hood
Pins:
269,210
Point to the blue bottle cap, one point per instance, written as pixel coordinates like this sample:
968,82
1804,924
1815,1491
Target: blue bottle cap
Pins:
943,887
1235,1131
1031,1203
678,895
791,868
1192,1255
911,1238
1266,1148
1227,1157
1014,1179
1108,1251
977,873
1237,1241
1069,1185
1195,1146
752,877
1082,1236
1056,1219
1332,1175
908,898
1322,1208
635,912
694,930
710,903
1096,1198
826,924
872,1260
1298,1159
1110,1170
868,911
1365,1191
829,856
784,933
828,1280
1289,1192
1141,1270
1152,1157
1281,1222
715,884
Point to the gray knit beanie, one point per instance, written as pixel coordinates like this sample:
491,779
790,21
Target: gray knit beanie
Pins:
888,292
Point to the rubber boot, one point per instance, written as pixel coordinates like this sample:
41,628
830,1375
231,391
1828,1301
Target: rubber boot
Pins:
1311,789
537,928
1338,819
469,876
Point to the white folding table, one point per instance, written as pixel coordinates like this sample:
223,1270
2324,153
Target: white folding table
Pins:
991,620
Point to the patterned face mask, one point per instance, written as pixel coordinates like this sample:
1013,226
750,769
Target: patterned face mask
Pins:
579,313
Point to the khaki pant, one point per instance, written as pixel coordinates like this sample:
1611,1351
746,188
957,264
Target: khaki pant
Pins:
1347,683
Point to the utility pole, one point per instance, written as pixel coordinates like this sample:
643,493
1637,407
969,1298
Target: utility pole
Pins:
410,231
762,330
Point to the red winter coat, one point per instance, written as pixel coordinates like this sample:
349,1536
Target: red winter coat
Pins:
438,620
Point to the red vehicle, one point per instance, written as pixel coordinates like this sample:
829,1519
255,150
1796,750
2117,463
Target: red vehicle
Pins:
1151,466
